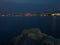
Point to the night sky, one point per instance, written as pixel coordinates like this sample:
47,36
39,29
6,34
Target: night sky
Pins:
15,6
33,1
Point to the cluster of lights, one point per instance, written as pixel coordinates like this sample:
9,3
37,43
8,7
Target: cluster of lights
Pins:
29,14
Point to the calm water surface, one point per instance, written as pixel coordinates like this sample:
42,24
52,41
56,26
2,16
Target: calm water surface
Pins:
12,26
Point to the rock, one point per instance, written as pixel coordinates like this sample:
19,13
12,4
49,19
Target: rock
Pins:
33,37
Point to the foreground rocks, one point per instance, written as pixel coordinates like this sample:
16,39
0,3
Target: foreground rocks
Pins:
33,37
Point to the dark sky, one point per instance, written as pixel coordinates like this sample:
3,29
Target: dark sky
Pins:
29,5
33,1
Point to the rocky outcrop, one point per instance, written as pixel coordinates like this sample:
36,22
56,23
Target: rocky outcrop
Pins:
32,37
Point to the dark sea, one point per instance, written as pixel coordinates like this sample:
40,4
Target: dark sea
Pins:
11,26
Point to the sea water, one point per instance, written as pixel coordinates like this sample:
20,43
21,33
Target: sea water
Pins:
11,26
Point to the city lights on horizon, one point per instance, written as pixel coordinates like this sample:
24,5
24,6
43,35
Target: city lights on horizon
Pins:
32,14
